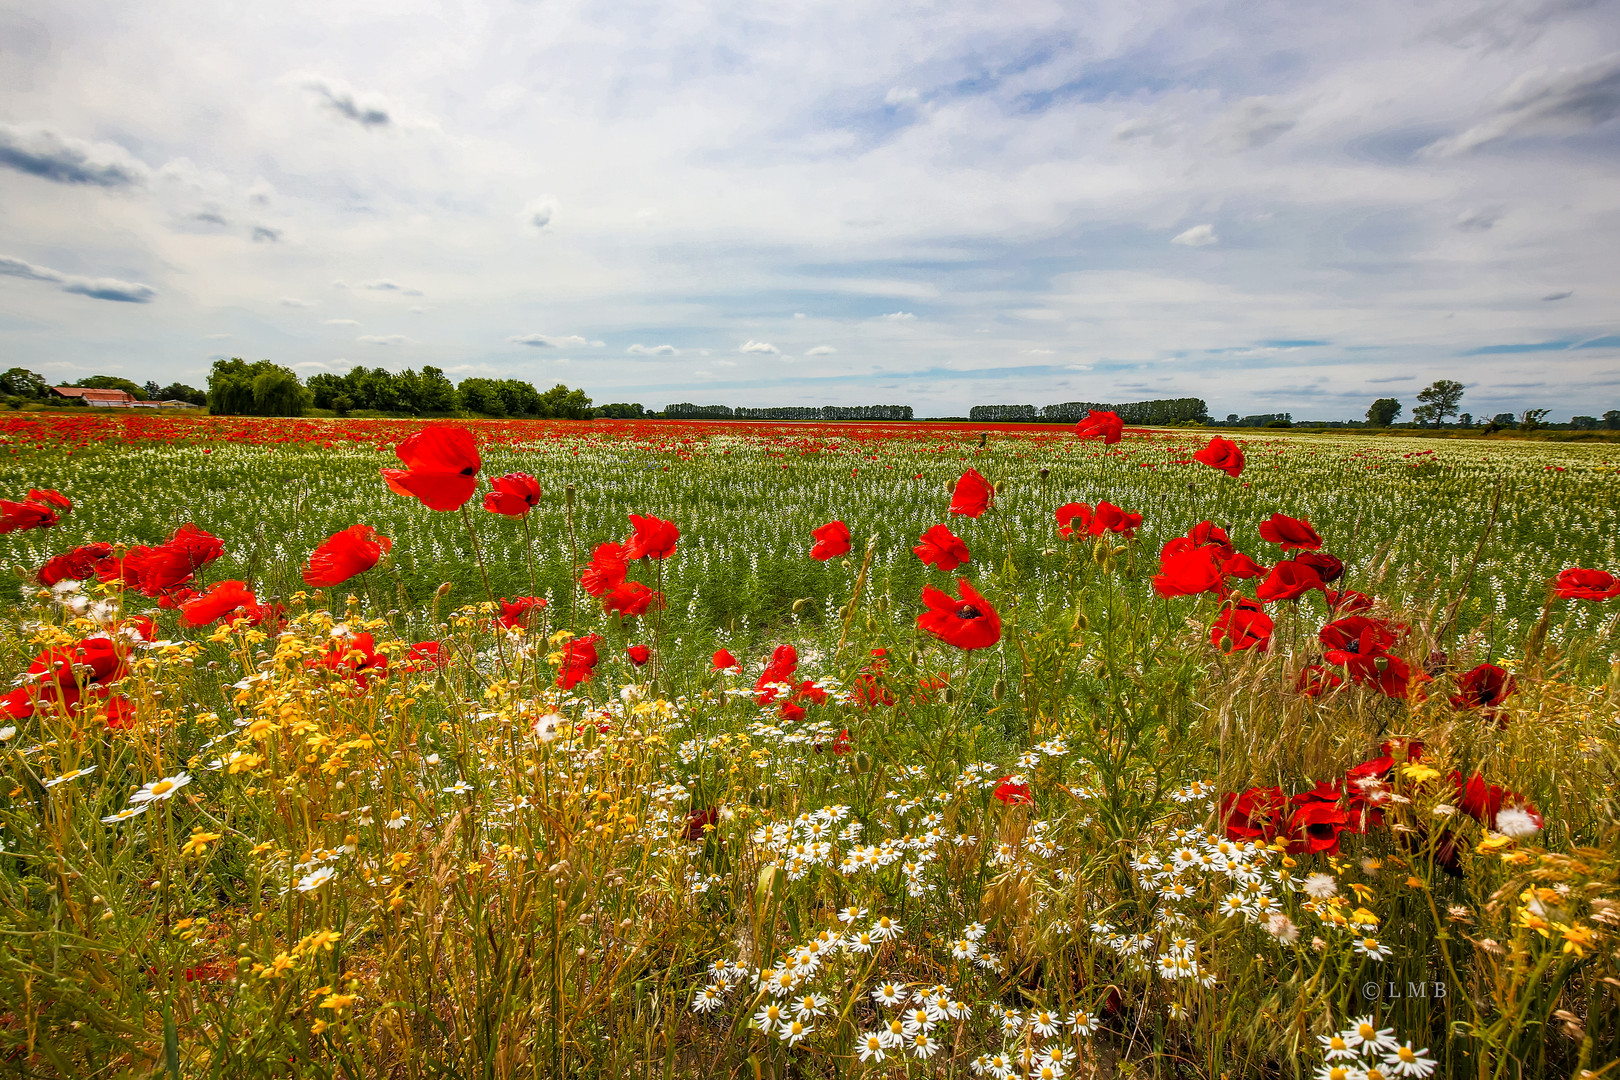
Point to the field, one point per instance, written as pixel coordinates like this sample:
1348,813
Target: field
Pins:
410,825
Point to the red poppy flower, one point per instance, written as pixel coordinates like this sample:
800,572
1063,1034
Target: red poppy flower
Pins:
356,656
1110,518
632,598
441,467
1106,426
791,712
842,744
832,540
579,661
1240,565
226,600
653,538
1290,532
52,498
1485,687
1327,567
1313,827
1222,454
723,660
1074,518
1390,674
514,495
120,713
1187,572
699,823
1316,680
25,515
972,495
942,548
1288,580
137,628
1359,634
638,654
520,612
1483,802
346,554
1572,584
607,570
1241,625
424,656
1347,600
1013,794
1205,534
75,565
61,677
1253,814
968,623
783,663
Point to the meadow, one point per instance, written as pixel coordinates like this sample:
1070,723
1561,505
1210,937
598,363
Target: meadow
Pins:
749,797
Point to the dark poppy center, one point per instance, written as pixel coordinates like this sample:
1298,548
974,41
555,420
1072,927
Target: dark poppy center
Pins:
469,471
968,611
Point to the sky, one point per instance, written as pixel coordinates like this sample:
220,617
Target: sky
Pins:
1275,206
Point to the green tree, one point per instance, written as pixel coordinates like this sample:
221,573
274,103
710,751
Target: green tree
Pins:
435,393
620,411
481,396
113,382
325,388
1611,420
566,404
20,382
1531,419
237,388
1440,400
1383,412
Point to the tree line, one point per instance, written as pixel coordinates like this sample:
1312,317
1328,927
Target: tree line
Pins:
1159,411
687,411
238,388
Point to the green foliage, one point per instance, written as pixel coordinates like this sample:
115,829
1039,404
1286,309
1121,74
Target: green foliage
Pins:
1440,400
621,411
1383,412
237,388
20,382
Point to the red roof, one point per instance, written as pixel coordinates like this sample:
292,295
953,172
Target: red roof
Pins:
94,395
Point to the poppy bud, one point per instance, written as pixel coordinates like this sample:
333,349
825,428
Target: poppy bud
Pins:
911,658
798,604
999,690
442,591
1044,473
950,695
983,437
1099,553
568,495
863,762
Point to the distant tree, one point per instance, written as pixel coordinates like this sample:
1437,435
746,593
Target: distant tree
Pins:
113,382
20,382
434,392
565,404
1466,420
1531,419
620,411
481,396
152,390
1232,419
1583,423
179,391
325,388
1611,420
1383,412
1440,398
237,388
1504,419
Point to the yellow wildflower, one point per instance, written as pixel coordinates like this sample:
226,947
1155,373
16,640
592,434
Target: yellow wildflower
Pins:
199,842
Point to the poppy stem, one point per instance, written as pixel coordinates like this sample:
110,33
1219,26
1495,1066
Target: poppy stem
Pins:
573,555
478,553
528,553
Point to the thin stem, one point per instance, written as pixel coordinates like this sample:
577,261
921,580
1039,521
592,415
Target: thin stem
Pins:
478,553
528,553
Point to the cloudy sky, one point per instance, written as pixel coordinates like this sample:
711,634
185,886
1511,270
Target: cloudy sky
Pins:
1291,206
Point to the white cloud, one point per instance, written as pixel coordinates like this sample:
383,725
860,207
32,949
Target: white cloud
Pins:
538,214
340,322
902,95
551,341
652,350
41,152
96,288
293,301
384,339
1543,102
1197,236
821,350
752,346
367,110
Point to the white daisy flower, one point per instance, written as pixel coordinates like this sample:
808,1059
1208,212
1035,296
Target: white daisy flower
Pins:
158,790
